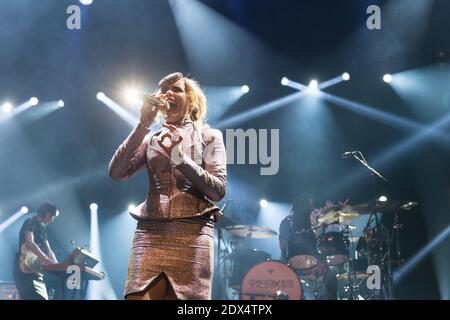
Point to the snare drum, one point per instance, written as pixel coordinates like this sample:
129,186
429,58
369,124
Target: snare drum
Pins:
271,280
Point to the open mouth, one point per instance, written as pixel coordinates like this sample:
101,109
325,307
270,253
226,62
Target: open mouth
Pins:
173,106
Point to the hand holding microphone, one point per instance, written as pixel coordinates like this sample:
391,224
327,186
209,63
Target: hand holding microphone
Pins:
153,103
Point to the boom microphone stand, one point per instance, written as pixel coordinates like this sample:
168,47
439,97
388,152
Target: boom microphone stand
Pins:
373,214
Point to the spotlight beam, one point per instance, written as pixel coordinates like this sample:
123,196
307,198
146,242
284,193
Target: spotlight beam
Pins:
388,118
400,273
294,85
16,216
259,110
19,109
129,118
385,117
98,290
222,98
321,86
270,106
331,82
391,153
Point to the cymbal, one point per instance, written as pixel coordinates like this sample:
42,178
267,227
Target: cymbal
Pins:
388,206
226,221
338,215
249,231
408,205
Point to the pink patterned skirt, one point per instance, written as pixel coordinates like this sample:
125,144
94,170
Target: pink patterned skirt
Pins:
180,249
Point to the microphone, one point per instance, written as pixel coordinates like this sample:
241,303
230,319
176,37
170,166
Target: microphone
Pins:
225,205
348,154
151,97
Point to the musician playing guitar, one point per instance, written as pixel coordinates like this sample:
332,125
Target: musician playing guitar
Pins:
33,252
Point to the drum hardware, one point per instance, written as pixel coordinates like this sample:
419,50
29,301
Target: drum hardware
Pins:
397,226
374,207
281,295
242,258
312,252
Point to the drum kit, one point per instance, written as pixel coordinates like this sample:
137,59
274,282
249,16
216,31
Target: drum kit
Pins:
325,257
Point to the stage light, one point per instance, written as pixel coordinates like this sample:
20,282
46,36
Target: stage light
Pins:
131,95
387,78
13,218
93,206
284,81
86,2
131,208
345,76
382,199
60,103
313,84
101,96
245,89
263,203
7,107
34,101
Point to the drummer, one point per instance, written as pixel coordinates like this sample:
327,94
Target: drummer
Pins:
297,220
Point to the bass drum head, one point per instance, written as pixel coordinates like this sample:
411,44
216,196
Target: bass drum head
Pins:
271,280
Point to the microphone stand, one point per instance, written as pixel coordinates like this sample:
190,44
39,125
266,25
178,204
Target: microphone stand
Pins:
373,211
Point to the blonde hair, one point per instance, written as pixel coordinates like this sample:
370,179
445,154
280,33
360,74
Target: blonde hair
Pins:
195,97
196,100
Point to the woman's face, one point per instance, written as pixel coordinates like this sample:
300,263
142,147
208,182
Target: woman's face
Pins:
175,95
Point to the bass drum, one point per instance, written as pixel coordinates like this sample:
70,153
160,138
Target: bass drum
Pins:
271,280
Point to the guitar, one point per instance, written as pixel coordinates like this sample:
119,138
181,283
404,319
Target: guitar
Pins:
28,261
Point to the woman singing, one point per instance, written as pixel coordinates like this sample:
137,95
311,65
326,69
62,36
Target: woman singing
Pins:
172,253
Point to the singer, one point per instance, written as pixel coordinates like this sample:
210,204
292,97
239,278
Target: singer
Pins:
172,251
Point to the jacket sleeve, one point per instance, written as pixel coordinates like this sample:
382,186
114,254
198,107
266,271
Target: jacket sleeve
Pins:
131,154
211,180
